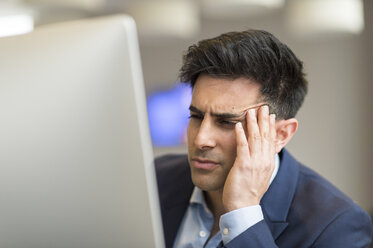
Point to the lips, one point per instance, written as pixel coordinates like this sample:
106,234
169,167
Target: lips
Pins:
204,164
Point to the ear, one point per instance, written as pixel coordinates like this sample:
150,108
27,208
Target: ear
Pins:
285,129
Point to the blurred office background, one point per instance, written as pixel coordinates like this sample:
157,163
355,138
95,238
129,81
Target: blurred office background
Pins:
334,38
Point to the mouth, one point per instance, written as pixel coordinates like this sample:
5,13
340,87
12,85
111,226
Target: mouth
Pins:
204,164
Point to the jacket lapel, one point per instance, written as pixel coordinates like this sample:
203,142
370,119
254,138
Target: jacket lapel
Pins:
172,218
277,200
174,198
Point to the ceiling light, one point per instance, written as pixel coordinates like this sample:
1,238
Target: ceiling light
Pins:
309,17
238,8
16,24
166,19
15,19
89,5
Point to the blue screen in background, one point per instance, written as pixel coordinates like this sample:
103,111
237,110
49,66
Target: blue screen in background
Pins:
168,113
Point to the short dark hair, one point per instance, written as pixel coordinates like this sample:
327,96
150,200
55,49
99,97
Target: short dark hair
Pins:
254,54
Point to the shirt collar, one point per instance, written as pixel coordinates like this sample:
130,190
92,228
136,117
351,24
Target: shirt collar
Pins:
277,166
197,195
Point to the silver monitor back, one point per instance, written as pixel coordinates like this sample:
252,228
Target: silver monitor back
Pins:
76,163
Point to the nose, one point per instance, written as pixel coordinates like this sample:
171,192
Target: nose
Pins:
205,137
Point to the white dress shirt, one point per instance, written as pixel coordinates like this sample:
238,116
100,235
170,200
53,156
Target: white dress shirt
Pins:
198,221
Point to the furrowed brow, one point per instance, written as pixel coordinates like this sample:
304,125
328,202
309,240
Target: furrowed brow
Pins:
218,115
196,110
237,115
228,115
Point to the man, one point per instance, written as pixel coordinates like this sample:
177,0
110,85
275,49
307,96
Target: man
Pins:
238,186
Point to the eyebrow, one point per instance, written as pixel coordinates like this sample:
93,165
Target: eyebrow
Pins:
219,115
227,115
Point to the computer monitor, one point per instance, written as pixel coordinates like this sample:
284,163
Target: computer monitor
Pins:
76,163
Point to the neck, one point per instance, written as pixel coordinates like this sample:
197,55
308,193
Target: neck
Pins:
214,202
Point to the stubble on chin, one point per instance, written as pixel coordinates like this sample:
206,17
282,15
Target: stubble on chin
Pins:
208,180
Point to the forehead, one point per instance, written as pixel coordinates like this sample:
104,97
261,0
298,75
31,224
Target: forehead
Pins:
219,94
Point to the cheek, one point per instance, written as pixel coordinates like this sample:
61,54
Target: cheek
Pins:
229,143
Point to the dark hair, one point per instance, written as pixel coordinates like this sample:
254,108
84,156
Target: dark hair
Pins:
256,55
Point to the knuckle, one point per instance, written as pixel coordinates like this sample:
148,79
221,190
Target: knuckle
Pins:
268,166
242,143
265,136
256,137
249,169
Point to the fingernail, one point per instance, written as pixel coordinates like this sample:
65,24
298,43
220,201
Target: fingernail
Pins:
239,124
273,116
252,112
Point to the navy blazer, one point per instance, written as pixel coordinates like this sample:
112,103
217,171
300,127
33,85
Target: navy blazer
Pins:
300,208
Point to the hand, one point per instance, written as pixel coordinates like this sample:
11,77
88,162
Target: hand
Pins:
251,172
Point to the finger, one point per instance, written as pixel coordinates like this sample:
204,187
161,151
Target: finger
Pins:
241,141
272,131
263,122
254,138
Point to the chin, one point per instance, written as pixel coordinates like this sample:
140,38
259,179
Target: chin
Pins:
206,182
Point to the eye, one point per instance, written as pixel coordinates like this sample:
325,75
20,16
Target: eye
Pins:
225,123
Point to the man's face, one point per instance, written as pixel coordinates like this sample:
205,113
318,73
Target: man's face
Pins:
217,105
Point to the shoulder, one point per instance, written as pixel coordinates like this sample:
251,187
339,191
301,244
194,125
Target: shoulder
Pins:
327,210
313,191
169,161
321,194
171,165
319,213
173,177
